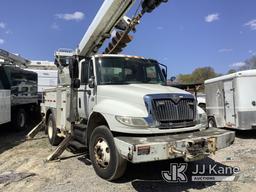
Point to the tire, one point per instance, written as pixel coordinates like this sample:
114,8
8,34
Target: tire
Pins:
52,131
19,120
112,166
203,106
211,122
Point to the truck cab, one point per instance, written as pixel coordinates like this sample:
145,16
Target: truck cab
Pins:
131,94
120,109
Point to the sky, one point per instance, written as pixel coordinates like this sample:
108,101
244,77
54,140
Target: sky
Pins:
182,34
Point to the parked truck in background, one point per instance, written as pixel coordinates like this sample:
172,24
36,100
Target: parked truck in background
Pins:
118,106
231,100
18,90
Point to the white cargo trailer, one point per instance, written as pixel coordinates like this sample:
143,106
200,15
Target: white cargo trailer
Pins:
231,100
47,79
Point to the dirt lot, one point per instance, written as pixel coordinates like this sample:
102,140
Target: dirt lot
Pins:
23,168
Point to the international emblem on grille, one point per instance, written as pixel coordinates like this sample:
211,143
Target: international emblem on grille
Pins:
176,98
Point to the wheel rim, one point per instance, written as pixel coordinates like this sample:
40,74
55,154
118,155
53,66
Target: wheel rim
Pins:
50,129
102,153
22,120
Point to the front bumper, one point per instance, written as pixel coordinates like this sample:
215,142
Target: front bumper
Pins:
189,146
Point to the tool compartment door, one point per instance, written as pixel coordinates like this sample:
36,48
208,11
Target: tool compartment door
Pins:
229,103
5,106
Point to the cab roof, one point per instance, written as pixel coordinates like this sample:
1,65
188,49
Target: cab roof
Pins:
118,55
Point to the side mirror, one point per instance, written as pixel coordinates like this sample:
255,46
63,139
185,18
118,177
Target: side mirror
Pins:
91,82
172,78
73,69
76,83
56,62
164,73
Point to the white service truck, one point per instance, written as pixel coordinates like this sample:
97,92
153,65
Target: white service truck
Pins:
119,108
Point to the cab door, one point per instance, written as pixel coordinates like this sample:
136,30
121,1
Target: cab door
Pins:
86,95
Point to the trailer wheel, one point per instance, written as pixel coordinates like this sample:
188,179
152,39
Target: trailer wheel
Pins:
20,120
52,131
211,122
106,160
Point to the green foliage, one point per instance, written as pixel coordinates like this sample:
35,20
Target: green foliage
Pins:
231,71
199,75
249,63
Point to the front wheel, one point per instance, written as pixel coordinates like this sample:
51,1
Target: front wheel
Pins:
106,160
211,122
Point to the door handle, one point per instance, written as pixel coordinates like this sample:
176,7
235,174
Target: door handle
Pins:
86,91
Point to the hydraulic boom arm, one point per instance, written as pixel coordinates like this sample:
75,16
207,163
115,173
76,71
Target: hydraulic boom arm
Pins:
106,19
10,58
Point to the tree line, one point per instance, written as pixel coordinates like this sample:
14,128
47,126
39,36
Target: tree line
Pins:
199,75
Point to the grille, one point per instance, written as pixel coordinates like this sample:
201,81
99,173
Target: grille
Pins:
166,110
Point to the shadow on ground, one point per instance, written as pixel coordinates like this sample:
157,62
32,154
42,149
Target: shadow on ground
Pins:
246,134
10,138
148,177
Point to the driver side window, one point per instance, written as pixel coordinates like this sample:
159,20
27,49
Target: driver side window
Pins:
87,71
84,72
90,69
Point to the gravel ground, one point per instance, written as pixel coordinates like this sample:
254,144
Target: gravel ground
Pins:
23,168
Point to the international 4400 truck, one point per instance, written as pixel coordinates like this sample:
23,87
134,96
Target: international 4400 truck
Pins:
118,106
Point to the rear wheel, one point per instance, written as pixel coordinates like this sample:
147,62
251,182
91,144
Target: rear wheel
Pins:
211,122
106,160
52,131
19,119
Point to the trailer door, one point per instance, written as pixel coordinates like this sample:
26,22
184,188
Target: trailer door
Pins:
229,104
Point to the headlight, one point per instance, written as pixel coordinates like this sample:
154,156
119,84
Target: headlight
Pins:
203,118
132,121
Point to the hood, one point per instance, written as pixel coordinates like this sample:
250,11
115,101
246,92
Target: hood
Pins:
133,93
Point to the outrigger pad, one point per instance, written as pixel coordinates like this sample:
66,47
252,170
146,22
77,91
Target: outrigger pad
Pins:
35,130
60,149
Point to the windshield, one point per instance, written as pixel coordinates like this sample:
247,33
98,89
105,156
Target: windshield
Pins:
123,70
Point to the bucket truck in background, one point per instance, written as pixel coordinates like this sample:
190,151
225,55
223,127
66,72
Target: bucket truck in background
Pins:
118,106
18,90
